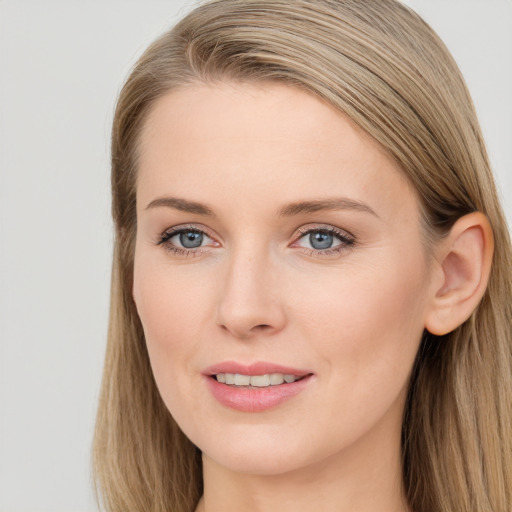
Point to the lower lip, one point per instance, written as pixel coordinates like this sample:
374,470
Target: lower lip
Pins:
255,399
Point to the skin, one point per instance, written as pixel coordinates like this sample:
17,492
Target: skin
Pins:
256,291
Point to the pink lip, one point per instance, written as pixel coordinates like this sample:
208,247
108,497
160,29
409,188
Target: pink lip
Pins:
255,399
259,368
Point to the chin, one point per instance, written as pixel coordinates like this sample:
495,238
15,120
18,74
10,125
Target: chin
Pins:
270,451
257,462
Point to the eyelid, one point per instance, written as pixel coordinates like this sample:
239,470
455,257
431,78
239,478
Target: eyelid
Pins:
308,228
165,237
180,228
347,239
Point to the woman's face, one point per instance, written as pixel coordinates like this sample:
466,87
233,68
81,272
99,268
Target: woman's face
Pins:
274,237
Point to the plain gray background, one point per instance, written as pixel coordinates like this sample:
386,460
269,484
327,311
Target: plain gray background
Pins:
61,66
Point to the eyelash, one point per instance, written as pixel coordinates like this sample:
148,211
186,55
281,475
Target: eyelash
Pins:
346,240
166,236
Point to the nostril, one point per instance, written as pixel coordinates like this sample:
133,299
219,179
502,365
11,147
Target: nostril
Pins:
261,327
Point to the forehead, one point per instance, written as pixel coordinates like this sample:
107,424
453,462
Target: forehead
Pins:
268,140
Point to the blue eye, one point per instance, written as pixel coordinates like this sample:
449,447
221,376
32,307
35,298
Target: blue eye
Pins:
185,240
324,240
188,239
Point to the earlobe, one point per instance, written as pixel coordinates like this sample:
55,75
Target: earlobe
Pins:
464,259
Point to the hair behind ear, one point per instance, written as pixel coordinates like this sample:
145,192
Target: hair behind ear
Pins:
457,442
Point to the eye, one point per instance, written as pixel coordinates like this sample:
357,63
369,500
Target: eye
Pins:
185,240
324,240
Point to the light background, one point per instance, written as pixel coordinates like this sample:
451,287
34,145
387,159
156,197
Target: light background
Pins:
61,66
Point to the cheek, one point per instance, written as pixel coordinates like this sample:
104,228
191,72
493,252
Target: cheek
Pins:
168,308
171,307
356,299
367,322
365,333
168,300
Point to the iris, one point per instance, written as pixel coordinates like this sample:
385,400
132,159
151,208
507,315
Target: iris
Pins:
191,239
321,240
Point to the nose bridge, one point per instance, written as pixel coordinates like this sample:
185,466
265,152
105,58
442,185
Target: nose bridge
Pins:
249,301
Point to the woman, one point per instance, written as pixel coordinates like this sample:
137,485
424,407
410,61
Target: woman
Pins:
311,282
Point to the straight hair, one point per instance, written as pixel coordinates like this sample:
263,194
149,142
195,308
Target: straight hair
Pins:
379,63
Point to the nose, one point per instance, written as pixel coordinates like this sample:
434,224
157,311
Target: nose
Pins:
250,303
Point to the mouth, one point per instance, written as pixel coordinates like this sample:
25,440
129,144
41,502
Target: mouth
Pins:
256,387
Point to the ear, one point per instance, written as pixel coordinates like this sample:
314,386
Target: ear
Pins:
463,261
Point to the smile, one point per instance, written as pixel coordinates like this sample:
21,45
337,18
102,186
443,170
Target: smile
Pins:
256,381
256,387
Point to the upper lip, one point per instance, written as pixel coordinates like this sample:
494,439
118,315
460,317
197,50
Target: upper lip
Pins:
257,368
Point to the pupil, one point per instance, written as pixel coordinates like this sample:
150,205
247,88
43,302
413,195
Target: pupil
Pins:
320,240
191,240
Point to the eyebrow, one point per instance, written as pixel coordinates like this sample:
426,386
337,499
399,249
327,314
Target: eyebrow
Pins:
180,204
289,210
341,203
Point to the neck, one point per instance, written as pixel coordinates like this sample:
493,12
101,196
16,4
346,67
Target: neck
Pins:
365,478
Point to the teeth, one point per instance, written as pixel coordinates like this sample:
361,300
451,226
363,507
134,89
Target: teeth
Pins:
276,378
242,380
258,381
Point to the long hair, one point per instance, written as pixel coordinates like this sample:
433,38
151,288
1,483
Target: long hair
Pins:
383,66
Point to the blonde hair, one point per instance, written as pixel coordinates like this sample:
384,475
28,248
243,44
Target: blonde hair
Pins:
382,65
